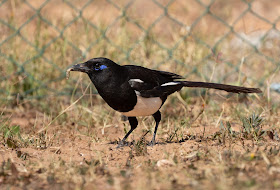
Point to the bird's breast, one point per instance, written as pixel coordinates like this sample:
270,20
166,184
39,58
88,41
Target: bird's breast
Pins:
144,107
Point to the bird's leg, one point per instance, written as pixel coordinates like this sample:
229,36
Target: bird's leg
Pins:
157,117
133,124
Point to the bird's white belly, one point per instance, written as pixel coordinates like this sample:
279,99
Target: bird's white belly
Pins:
144,107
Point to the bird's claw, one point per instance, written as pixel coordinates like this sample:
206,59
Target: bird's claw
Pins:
122,144
152,143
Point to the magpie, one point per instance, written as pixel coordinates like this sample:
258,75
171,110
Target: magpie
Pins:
139,91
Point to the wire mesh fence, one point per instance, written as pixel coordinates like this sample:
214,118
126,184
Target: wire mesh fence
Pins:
234,41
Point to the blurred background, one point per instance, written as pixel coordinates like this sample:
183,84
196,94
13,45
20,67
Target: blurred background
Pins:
234,41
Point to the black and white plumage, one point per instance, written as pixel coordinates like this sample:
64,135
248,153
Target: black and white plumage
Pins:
138,91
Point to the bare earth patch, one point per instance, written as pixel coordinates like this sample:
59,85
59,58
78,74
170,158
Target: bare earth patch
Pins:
205,158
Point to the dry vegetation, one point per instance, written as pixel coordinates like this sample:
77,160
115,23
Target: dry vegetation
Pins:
57,134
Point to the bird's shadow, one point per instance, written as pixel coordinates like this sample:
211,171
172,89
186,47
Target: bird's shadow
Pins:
133,143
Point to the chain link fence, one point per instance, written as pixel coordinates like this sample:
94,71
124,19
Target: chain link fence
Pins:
234,41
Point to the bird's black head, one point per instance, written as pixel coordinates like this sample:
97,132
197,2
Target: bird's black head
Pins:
98,69
94,66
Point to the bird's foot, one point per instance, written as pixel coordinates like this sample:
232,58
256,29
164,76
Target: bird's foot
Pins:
152,143
122,144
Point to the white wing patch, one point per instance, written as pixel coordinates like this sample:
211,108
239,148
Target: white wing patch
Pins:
136,80
170,83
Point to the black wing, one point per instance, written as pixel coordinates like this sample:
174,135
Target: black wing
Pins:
169,75
152,83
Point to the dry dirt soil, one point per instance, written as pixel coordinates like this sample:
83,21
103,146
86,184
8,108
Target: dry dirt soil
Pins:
75,156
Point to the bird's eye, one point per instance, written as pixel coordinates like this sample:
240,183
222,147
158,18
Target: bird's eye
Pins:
99,67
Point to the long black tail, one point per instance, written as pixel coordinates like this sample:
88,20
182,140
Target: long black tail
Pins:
225,87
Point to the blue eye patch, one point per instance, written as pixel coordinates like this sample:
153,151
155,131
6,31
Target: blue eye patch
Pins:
100,68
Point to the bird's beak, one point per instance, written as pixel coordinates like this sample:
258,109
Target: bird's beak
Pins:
81,67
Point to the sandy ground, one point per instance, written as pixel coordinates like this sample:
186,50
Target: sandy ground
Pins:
64,158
